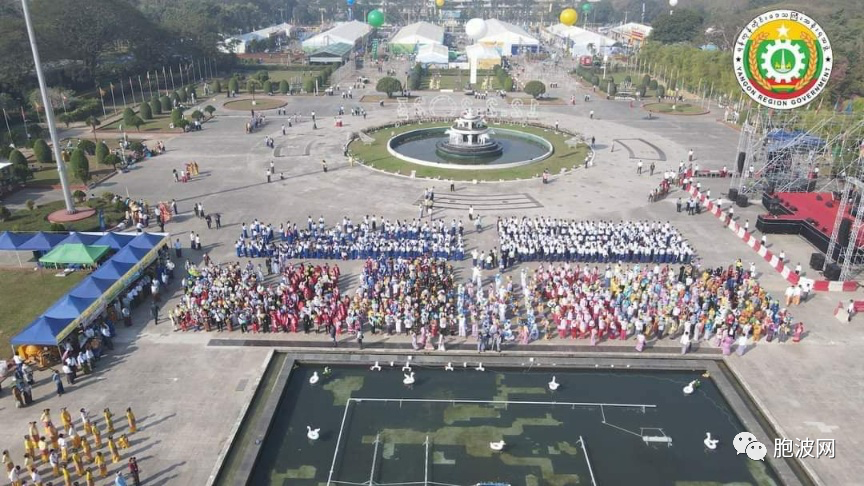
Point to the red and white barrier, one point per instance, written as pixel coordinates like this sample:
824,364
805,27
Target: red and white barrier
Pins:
772,259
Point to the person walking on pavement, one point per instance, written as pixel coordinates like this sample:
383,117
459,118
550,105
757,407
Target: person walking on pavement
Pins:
174,207
154,312
651,169
639,168
324,165
218,218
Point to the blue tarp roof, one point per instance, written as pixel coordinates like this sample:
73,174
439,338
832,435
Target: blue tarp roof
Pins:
792,140
69,307
112,270
11,241
42,332
115,240
129,254
146,241
91,287
76,237
42,241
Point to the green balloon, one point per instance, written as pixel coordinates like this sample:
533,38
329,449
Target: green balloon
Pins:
586,8
375,18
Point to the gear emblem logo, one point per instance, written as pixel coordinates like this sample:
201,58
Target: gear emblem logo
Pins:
783,59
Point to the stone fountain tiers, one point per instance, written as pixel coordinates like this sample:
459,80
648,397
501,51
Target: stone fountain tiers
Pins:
469,137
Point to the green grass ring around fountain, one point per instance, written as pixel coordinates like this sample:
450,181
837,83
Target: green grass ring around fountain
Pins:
375,155
260,104
679,109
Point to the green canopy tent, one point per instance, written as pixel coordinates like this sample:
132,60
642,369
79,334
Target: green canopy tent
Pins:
75,254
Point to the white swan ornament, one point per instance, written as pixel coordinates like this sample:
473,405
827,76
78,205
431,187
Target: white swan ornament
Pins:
691,387
409,379
392,363
553,385
480,367
407,367
709,442
497,446
375,367
312,434
314,378
448,367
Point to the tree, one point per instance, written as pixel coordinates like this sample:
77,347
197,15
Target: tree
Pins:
155,106
685,26
15,52
283,87
42,151
93,123
197,115
144,112
183,95
112,160
137,122
128,115
267,87
87,146
233,85
176,116
251,84
262,76
165,103
210,109
101,152
534,88
80,166
20,169
217,86
388,85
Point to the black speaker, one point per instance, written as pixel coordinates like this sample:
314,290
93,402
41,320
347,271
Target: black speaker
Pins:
817,261
832,272
771,188
733,194
742,201
742,156
843,234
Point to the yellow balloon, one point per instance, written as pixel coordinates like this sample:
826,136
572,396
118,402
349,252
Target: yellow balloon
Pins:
439,3
568,16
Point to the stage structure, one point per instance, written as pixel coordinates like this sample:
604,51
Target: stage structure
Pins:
844,247
796,151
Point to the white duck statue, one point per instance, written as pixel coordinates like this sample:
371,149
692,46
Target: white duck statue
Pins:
480,367
497,446
553,385
312,434
709,442
314,378
691,387
448,367
375,367
409,379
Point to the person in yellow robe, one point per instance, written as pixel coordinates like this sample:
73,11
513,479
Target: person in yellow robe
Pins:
123,442
97,436
65,418
130,417
100,463
67,477
109,420
89,480
86,450
112,448
79,464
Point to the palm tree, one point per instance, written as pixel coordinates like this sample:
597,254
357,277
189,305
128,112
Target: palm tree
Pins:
93,123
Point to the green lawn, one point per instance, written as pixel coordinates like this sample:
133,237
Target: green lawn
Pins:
19,306
35,220
159,123
49,177
563,157
292,75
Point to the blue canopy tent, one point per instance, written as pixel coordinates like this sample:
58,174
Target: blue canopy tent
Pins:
146,241
112,270
69,307
42,332
76,237
42,241
12,241
91,288
114,240
129,254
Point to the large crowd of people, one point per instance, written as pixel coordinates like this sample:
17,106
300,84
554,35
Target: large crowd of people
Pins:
351,240
551,239
655,302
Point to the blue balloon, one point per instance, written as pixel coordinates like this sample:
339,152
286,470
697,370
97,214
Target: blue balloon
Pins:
349,2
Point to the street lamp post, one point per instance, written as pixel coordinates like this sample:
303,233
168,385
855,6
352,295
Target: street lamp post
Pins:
49,111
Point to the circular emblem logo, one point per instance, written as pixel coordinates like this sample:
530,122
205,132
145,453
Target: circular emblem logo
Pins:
783,59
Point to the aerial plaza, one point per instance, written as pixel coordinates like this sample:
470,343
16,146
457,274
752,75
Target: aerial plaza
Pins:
430,245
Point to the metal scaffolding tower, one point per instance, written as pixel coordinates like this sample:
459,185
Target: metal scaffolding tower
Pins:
847,255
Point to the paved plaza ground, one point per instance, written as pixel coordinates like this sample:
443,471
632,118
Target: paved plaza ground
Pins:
189,395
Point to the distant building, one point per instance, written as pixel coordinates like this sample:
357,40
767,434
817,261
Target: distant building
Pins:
578,41
508,38
238,43
333,54
631,34
416,35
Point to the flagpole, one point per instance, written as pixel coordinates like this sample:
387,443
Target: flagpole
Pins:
141,87
123,92
180,68
49,111
132,90
8,129
171,68
165,77
102,99
150,84
113,99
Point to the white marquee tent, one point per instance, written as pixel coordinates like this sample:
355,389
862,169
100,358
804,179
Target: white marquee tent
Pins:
509,39
433,54
416,34
581,41
487,57
346,33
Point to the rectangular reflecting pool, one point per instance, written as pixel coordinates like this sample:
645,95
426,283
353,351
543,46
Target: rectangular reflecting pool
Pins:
341,425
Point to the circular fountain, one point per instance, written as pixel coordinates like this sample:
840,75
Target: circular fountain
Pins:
469,144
